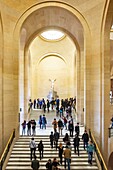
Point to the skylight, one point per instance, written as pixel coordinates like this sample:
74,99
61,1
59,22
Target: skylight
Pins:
52,35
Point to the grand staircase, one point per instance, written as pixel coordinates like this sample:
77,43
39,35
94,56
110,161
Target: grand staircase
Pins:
20,156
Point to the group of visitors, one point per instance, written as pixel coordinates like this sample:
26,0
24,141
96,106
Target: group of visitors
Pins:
63,151
31,127
60,105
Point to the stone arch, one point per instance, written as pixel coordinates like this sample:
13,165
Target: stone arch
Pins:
110,162
51,54
105,70
83,40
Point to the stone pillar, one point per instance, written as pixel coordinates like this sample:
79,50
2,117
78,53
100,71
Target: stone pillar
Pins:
26,84
82,88
105,90
1,86
87,81
78,86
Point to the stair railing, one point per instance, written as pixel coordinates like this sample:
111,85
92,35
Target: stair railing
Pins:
6,150
98,153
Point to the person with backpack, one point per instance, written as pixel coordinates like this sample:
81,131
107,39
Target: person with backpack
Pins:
90,150
32,146
76,143
49,165
56,138
51,139
60,126
35,164
41,149
54,123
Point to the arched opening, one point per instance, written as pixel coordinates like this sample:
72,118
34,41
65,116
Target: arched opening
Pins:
110,162
66,24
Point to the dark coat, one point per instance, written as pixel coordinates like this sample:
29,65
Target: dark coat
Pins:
35,164
76,141
85,137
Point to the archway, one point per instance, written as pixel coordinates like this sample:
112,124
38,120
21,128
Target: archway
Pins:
63,23
106,27
110,162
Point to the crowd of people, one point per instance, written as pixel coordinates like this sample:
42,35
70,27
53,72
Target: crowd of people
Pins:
64,121
57,104
64,150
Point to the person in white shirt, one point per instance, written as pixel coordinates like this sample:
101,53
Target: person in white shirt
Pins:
32,146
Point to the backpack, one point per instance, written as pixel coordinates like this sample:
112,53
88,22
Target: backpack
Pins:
56,136
40,146
44,120
51,137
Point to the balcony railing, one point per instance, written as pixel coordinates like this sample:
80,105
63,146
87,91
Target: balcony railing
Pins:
110,131
98,153
6,150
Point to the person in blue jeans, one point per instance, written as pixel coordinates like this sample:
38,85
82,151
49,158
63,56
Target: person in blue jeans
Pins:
90,150
44,122
67,157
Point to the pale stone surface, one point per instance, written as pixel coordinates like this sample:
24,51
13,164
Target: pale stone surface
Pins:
94,46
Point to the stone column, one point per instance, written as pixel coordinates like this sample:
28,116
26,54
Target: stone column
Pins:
1,87
26,84
78,86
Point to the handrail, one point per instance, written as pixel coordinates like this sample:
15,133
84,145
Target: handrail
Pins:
97,150
6,150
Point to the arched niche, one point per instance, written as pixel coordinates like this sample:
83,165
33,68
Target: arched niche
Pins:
110,162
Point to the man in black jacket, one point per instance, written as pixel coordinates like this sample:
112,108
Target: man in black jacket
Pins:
76,143
56,137
77,129
85,138
35,164
41,148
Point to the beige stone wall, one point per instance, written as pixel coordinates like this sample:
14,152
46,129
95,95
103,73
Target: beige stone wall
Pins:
1,96
88,41
53,60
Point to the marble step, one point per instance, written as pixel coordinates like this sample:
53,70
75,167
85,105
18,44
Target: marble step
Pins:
20,156
43,163
77,159
45,152
46,155
46,148
43,167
